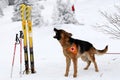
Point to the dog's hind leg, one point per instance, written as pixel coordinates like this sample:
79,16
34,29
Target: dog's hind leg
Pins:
68,62
88,64
94,62
85,58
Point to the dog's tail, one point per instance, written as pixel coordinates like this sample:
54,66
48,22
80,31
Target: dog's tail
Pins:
101,52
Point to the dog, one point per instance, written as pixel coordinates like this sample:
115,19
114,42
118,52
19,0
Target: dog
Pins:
74,48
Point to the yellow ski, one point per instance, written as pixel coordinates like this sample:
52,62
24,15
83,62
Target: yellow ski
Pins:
30,36
24,28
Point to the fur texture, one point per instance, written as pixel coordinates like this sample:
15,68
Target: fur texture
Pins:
83,49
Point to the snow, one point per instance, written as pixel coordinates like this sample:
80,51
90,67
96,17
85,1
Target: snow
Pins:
49,59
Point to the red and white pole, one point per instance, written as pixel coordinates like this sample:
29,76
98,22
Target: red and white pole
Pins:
16,38
21,36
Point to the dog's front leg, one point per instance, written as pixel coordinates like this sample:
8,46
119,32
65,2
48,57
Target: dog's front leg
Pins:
68,62
75,67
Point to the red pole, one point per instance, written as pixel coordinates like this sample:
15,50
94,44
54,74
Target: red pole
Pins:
20,57
21,36
16,42
13,58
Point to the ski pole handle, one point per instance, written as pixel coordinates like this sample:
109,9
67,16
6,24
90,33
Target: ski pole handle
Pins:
21,34
16,38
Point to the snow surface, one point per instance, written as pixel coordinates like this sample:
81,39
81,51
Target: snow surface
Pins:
49,59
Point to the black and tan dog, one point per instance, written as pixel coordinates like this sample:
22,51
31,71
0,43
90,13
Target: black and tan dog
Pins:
74,48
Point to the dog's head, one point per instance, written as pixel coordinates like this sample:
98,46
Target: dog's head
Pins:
61,34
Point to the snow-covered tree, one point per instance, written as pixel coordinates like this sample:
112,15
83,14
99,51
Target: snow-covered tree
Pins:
113,26
11,2
3,4
36,11
36,15
63,13
1,12
16,13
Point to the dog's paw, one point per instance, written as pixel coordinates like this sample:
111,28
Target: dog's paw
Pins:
85,68
66,75
75,75
96,70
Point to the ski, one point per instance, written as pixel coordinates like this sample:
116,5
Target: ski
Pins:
24,28
30,37
25,11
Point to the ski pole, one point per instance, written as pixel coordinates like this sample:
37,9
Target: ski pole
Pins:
16,40
21,36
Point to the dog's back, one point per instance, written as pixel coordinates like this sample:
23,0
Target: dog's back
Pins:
84,45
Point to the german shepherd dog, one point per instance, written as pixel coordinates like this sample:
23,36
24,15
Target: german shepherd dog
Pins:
74,48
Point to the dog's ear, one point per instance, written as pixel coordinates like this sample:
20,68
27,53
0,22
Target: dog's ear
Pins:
55,29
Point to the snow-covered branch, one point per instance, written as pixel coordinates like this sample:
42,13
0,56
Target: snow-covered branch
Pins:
113,26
